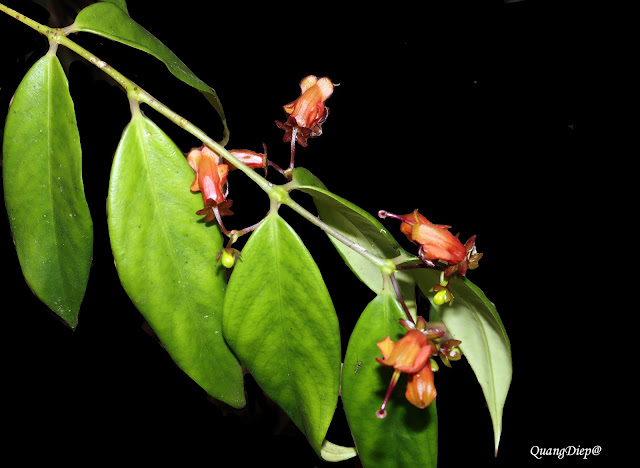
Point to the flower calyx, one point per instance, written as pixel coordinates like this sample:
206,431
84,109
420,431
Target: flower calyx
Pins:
469,262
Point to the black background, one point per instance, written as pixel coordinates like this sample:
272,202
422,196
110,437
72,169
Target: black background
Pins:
480,114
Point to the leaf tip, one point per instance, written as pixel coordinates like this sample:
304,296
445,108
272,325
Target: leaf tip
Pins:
335,453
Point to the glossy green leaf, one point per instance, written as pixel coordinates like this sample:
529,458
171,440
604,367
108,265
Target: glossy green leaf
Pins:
361,228
166,257
120,3
110,21
408,436
280,321
473,319
43,188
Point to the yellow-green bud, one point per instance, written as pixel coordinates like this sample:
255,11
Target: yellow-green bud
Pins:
441,297
227,258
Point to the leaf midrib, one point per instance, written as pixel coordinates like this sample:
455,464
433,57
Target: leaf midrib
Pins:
274,232
497,421
165,231
65,285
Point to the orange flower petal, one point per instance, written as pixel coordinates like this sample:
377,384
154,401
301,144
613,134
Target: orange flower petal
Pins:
307,83
386,348
421,390
419,362
409,354
308,109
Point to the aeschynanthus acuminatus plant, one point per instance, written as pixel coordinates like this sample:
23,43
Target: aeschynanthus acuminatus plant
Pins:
222,311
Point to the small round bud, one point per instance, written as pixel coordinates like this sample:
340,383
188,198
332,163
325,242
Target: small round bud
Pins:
441,297
454,354
227,258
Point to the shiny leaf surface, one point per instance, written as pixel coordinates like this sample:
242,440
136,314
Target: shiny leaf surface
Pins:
44,193
280,321
474,320
166,257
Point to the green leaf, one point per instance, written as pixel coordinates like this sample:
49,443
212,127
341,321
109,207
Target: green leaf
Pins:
335,453
280,321
474,320
120,3
355,224
110,21
166,258
361,228
44,194
408,436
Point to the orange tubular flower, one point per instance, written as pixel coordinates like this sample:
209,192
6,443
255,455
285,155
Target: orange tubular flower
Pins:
435,240
308,112
421,390
308,109
211,180
410,354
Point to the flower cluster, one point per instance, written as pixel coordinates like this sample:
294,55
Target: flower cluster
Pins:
412,355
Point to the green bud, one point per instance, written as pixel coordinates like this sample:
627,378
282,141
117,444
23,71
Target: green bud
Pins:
441,297
454,354
227,258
